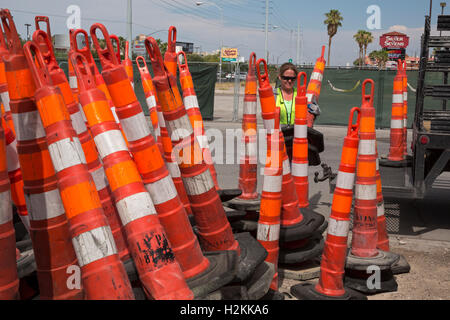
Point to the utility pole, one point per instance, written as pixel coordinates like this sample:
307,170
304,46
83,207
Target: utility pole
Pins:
267,32
28,33
129,23
298,43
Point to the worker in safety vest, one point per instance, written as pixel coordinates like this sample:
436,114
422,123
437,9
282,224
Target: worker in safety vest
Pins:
285,96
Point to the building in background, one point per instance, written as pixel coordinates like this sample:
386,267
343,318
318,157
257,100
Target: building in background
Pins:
395,43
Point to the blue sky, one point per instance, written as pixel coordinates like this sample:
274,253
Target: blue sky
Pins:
243,22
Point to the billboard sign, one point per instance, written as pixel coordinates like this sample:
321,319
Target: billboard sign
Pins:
187,47
229,54
394,40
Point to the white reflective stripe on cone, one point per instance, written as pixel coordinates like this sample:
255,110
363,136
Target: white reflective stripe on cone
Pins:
94,245
397,98
268,232
162,190
366,147
380,209
300,131
309,97
66,153
113,110
28,125
299,169
6,213
250,107
269,125
286,167
338,228
43,206
180,128
345,180
174,170
316,76
5,99
134,207
99,178
366,192
78,122
109,142
272,183
12,157
151,102
135,127
190,102
396,124
73,82
161,121
198,184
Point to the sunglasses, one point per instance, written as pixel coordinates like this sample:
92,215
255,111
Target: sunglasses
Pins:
288,78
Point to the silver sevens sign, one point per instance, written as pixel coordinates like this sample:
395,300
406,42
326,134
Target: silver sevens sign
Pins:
394,40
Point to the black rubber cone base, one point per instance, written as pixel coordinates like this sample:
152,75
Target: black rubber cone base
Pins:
273,295
304,229
312,249
383,260
368,283
245,204
244,226
26,264
228,194
307,291
385,162
222,269
400,266
258,284
252,255
234,215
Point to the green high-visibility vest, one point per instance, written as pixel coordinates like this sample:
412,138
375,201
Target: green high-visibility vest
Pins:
286,118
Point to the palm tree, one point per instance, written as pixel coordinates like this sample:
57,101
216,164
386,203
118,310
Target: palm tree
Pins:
359,38
333,21
367,39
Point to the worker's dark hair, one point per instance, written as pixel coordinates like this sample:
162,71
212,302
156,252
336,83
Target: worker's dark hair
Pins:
286,66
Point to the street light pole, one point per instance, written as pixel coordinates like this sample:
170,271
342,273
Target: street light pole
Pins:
443,5
199,3
28,33
129,23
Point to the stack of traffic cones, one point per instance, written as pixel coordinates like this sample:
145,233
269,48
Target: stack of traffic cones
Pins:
314,86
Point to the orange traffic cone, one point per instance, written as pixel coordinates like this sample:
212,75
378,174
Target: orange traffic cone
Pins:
314,85
300,144
128,64
115,41
162,136
405,112
15,176
9,282
78,119
103,274
214,230
194,114
249,200
170,56
49,230
4,95
396,157
331,280
364,252
268,232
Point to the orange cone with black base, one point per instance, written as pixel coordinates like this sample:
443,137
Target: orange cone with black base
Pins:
364,252
78,119
249,200
214,230
331,280
156,177
268,232
49,230
102,273
162,136
159,273
9,281
396,157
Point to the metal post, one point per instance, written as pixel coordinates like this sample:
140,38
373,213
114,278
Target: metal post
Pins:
129,24
237,84
28,33
298,43
267,32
